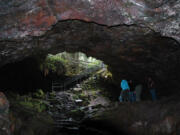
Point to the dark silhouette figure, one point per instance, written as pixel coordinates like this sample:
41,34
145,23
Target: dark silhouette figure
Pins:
151,87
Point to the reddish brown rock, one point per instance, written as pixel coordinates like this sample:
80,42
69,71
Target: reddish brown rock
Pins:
4,115
135,38
34,17
4,104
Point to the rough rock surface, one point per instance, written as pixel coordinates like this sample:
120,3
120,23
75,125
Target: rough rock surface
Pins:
4,115
34,17
145,118
134,37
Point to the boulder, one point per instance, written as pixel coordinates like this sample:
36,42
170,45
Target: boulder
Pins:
5,125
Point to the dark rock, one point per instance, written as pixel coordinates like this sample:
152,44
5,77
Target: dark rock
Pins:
34,18
135,38
146,118
4,104
4,115
166,126
28,122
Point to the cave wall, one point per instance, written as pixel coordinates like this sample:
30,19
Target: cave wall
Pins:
136,38
34,17
25,76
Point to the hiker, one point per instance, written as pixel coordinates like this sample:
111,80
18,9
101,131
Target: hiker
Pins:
124,96
151,87
132,95
138,90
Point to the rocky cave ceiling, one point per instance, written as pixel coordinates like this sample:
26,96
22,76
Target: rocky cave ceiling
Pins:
134,37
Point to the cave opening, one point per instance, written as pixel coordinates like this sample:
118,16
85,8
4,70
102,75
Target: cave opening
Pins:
28,85
36,72
131,52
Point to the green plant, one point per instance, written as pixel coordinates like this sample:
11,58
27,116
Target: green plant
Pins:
75,97
53,63
39,94
26,104
36,105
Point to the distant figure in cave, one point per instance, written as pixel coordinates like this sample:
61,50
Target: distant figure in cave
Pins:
151,87
132,92
124,96
138,91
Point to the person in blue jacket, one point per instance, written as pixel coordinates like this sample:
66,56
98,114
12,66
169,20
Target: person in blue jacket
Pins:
124,96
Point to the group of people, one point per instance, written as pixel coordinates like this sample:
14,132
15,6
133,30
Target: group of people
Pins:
128,93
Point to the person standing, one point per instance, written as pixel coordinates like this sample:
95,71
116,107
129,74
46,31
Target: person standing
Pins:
151,87
132,95
138,90
124,96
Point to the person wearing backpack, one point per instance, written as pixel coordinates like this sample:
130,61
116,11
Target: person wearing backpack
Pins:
125,89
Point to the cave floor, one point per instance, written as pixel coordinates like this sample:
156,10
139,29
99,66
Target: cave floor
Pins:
85,109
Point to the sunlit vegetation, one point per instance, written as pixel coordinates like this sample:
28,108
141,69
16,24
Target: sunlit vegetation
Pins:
32,101
53,64
68,63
